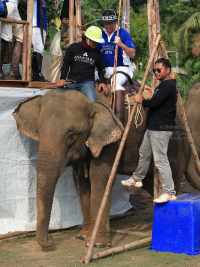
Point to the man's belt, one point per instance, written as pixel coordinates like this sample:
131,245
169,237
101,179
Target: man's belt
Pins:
124,66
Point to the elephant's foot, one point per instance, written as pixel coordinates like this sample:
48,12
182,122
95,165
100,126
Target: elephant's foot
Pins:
46,242
100,242
83,234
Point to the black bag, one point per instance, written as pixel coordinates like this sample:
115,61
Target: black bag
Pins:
3,10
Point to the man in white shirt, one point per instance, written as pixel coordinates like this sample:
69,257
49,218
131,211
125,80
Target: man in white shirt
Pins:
7,32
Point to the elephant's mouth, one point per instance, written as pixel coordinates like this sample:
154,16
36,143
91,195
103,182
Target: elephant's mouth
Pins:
77,155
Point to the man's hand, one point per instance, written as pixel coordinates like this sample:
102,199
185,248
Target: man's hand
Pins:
61,83
138,98
118,41
103,87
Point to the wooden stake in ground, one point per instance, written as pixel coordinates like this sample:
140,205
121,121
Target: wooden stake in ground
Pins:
117,158
153,31
118,249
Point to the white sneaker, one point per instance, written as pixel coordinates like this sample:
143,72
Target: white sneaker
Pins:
131,182
164,198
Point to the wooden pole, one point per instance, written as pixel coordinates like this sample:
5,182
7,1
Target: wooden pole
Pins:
14,21
116,56
118,249
78,21
25,52
117,158
185,121
71,22
134,233
126,15
127,19
30,19
153,31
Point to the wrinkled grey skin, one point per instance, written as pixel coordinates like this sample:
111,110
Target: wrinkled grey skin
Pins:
63,122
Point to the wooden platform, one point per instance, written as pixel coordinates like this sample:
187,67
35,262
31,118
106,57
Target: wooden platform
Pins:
14,83
41,85
26,84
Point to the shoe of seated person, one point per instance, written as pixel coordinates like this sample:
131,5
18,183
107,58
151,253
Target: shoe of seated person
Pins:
165,198
132,182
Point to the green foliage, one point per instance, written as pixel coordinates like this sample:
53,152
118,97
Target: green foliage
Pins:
185,82
184,22
137,5
139,33
92,10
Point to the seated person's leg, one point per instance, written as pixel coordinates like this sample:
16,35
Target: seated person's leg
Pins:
119,106
88,89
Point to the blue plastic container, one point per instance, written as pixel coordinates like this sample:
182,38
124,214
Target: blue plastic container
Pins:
176,226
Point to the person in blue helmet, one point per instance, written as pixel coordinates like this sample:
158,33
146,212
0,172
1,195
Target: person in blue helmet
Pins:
126,50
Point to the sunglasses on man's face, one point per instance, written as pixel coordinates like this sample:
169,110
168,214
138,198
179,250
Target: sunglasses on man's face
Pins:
158,70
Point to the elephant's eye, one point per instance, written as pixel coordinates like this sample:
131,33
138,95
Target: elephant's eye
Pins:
71,136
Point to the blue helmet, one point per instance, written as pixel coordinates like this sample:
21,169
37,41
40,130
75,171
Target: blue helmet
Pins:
3,10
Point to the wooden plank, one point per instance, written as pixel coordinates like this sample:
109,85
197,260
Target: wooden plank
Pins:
25,52
14,21
14,83
30,19
40,84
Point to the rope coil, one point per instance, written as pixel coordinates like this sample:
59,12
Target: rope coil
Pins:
138,111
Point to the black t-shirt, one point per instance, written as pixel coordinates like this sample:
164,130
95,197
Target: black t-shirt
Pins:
162,107
82,63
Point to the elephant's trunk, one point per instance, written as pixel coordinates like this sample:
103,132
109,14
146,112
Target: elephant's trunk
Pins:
48,174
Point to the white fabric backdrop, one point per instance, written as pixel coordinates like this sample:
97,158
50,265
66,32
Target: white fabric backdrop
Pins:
18,171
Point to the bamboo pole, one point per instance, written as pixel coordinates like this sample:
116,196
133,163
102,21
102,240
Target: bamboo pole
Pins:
118,249
117,158
78,21
21,234
185,121
25,52
71,22
134,233
14,21
116,56
30,19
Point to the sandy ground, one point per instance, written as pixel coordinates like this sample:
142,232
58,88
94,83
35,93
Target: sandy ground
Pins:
67,250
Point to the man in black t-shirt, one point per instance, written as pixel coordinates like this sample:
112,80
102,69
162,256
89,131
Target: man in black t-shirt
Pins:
160,126
82,58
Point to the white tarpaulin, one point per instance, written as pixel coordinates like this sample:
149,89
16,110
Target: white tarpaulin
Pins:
18,170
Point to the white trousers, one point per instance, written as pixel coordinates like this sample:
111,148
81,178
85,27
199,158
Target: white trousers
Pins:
38,46
10,29
120,78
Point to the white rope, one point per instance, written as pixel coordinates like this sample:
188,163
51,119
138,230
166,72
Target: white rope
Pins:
138,112
137,115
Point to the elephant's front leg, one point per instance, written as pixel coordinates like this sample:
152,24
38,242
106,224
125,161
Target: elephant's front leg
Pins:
82,185
100,169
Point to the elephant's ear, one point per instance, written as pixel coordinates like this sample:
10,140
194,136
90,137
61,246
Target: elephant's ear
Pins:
26,115
106,128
